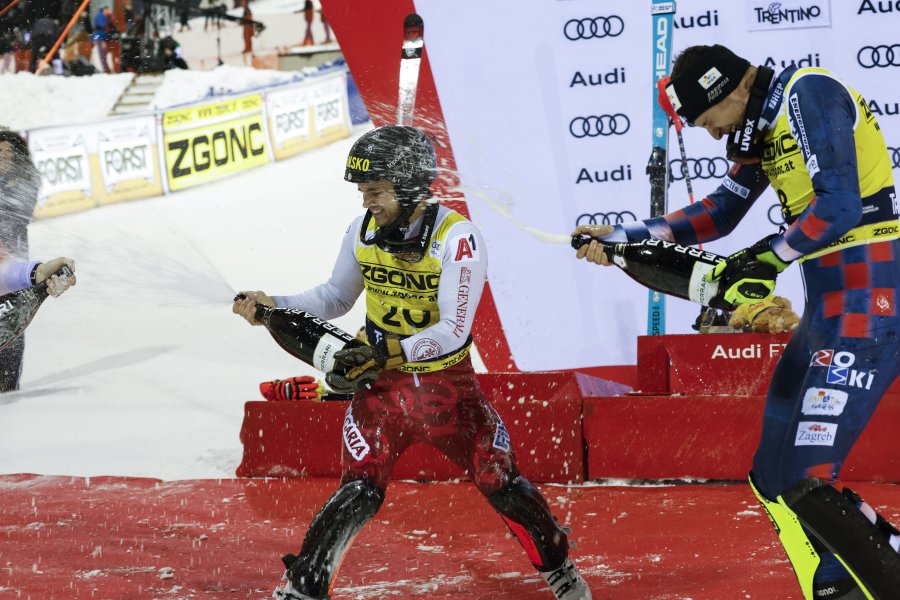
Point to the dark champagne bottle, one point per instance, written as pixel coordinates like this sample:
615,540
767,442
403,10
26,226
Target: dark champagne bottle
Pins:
666,267
17,309
306,336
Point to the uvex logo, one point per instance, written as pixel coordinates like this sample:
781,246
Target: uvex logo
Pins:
748,134
357,163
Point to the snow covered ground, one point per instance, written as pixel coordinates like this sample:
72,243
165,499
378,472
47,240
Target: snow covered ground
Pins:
142,369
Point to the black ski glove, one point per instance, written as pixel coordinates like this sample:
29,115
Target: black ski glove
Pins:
747,275
363,364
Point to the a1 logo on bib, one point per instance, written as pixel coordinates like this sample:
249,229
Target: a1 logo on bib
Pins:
464,248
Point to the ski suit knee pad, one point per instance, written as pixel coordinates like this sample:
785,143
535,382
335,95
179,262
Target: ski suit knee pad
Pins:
330,534
834,518
526,513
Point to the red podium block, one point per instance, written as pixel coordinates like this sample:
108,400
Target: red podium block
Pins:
732,364
729,364
541,411
710,437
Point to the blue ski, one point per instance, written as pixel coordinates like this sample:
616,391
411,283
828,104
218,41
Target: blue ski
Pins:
658,165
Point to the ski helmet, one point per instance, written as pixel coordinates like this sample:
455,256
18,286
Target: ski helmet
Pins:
396,153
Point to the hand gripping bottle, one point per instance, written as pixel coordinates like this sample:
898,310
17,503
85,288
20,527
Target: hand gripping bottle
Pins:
17,309
666,267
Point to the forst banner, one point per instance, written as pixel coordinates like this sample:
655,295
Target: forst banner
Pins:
304,117
205,142
550,124
84,166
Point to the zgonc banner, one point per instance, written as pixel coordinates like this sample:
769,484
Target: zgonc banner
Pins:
126,158
91,165
208,141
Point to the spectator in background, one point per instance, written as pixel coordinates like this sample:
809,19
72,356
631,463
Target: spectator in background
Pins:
308,12
77,54
7,38
325,26
19,185
171,55
210,6
44,33
184,14
103,29
248,29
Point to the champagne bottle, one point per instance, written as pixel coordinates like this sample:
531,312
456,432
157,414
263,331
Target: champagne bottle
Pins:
17,309
666,267
305,336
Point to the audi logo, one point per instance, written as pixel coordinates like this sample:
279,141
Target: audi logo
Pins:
604,125
598,27
605,218
699,168
895,157
870,57
776,217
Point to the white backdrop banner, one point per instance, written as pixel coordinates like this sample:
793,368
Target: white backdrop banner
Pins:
548,109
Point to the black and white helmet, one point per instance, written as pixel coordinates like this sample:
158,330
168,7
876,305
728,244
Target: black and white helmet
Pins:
396,153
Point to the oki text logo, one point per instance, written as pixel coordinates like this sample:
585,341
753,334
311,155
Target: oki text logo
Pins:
839,369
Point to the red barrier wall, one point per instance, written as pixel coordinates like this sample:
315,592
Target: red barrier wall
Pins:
710,437
541,411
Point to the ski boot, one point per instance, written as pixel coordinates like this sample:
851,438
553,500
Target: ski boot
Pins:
566,582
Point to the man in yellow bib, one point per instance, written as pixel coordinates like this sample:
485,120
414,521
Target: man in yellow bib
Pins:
422,267
813,139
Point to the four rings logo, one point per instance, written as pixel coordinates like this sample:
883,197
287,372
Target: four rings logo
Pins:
699,168
604,125
598,27
605,218
870,57
895,157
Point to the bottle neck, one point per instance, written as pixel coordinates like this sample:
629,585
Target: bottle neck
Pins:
263,313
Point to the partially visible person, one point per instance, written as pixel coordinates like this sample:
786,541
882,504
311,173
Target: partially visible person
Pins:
414,260
325,26
103,32
6,51
812,137
248,29
77,44
209,16
171,54
308,12
184,16
44,33
19,186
